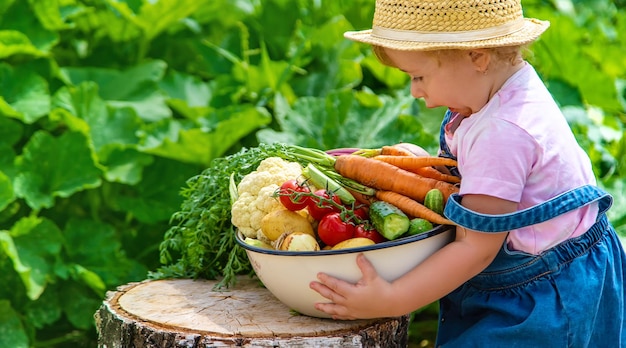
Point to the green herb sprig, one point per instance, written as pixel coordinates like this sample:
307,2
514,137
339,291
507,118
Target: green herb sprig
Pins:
201,243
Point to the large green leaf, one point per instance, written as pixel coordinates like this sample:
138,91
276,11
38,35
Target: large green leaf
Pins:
7,196
105,125
124,164
188,95
12,333
46,309
4,5
266,78
23,94
11,131
221,14
347,119
193,146
336,60
579,69
620,84
114,132
136,87
392,77
33,244
155,17
221,130
79,305
13,43
94,247
7,161
188,88
55,166
49,14
103,23
617,213
153,199
20,17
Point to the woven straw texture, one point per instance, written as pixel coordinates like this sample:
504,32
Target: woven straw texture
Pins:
455,19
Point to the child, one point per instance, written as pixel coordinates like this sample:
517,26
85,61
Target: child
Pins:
535,262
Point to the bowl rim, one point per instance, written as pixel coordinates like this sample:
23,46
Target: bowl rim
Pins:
387,244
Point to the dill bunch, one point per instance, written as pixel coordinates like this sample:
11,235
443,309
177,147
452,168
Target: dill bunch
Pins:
201,242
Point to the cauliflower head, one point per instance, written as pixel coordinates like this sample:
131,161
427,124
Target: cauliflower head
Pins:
256,192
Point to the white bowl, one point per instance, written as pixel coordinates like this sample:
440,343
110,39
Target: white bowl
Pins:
287,274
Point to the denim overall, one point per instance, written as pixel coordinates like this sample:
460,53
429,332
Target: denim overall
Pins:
571,295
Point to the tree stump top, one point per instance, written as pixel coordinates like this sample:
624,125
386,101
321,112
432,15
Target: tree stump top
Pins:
247,309
186,313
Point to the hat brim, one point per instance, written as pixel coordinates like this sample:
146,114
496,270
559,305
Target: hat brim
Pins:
529,32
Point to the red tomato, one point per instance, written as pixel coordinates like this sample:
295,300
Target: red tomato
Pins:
288,195
368,231
332,229
362,212
320,207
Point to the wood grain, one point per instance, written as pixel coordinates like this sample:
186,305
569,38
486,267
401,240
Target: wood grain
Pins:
190,313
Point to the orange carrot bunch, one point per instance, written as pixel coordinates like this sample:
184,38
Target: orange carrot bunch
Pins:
401,177
412,207
381,175
390,154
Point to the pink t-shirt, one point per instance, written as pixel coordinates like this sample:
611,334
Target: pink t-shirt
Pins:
520,148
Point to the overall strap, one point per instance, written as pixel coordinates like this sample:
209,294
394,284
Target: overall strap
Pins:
443,145
552,208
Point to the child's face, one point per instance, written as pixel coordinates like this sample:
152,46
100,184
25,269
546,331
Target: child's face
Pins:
452,80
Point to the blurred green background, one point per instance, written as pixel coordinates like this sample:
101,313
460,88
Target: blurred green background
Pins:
108,107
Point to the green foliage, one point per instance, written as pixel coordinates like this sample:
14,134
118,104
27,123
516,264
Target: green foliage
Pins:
201,243
116,115
14,334
346,118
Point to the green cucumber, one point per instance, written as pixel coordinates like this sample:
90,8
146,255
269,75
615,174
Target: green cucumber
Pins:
434,201
388,220
419,225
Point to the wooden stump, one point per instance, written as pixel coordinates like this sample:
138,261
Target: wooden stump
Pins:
189,313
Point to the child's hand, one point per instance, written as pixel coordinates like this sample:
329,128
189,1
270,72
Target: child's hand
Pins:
365,299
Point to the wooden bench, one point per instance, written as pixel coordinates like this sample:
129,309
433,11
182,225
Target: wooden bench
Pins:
189,313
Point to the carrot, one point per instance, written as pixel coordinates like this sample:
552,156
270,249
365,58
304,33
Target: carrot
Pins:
361,197
411,207
408,149
411,163
394,150
430,172
384,176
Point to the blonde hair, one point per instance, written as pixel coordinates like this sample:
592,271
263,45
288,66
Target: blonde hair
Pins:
510,54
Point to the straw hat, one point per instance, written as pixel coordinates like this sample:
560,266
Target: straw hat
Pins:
448,24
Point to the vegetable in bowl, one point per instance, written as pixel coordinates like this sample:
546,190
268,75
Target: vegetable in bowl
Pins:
255,191
202,242
287,274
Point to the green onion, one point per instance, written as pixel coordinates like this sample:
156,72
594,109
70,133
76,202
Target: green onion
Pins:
321,180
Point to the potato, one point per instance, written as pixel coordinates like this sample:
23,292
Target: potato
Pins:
353,243
278,222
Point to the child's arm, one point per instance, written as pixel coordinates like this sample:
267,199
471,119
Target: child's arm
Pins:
373,297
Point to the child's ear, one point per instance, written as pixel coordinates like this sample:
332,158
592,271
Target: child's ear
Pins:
480,58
